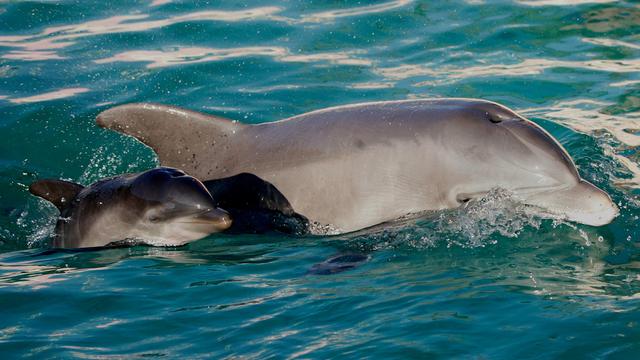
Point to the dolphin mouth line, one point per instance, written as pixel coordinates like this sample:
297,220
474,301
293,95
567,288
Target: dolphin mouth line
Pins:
213,222
222,221
535,190
518,193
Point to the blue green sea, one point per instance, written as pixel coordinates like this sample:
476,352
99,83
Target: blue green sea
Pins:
486,282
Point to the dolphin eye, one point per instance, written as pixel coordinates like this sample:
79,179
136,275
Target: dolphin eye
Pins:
462,199
494,119
154,216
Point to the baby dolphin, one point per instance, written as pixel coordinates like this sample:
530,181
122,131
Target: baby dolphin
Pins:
160,207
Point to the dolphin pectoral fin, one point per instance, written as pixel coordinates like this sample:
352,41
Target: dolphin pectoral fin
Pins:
339,263
181,138
58,192
583,203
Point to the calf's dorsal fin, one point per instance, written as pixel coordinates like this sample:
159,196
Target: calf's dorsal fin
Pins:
178,136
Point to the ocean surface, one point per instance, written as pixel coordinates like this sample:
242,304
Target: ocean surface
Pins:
488,281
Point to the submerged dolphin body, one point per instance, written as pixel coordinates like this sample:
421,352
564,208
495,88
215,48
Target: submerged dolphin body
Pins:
359,165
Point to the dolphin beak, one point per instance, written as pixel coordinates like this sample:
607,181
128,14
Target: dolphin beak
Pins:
583,203
218,219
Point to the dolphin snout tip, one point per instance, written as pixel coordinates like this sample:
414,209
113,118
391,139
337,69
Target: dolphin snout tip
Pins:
224,222
599,209
607,213
583,203
218,218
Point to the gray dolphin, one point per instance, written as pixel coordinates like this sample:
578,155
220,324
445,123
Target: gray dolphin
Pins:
163,207
359,165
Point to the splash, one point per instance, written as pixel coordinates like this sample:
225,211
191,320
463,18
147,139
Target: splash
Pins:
499,214
106,163
101,165
36,223
319,229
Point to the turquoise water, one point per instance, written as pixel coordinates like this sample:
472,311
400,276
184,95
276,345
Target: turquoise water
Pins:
488,281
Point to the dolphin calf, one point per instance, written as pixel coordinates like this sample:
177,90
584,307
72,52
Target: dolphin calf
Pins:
351,167
163,207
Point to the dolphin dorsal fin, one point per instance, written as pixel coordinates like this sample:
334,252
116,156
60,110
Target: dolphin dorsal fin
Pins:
181,138
59,192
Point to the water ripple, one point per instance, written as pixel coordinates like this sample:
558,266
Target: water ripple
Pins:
53,95
183,55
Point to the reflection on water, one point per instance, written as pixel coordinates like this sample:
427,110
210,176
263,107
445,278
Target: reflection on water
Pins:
608,19
611,42
626,83
186,55
586,116
634,180
53,95
41,269
371,85
32,55
159,2
34,276
324,16
58,37
562,2
447,74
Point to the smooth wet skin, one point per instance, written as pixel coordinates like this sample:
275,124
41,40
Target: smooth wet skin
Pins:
359,165
162,206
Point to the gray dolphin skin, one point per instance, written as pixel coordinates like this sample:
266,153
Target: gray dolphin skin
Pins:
355,166
161,207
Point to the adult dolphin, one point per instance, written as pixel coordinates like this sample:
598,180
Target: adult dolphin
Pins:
355,166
